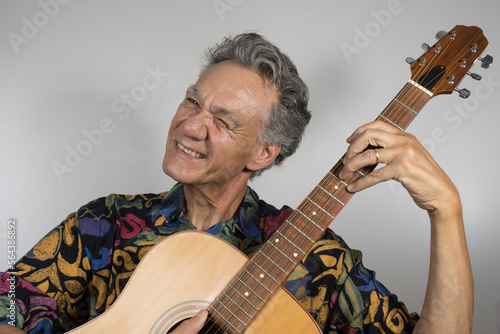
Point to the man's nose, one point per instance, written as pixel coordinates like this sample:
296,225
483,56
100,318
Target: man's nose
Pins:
195,126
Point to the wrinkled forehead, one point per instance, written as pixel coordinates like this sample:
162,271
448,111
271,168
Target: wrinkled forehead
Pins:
230,83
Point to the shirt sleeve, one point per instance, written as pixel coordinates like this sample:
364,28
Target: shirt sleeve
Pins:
45,290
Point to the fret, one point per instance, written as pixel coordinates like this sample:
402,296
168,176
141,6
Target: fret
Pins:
335,176
310,220
319,207
289,241
230,312
404,105
257,280
225,320
279,250
268,275
270,260
250,289
244,298
300,231
360,173
235,303
335,198
391,122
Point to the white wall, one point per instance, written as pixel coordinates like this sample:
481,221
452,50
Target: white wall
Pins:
64,70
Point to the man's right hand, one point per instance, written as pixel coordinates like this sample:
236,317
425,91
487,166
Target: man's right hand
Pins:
193,325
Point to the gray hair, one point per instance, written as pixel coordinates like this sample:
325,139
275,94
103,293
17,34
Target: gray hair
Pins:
285,123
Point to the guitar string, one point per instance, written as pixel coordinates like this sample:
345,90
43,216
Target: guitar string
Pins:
411,98
395,108
450,42
277,265
237,285
457,40
400,116
219,300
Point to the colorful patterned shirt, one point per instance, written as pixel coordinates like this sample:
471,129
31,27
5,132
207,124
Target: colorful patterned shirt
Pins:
79,269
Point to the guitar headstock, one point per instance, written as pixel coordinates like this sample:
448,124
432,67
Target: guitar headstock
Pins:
441,68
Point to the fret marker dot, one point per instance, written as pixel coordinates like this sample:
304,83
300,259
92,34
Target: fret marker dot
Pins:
336,187
277,240
246,294
295,254
261,275
314,213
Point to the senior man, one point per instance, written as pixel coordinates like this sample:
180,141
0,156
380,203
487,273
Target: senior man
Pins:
246,112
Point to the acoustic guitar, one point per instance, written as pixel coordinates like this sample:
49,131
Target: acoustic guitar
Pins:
243,295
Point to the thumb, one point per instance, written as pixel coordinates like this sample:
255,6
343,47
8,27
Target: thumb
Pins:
193,325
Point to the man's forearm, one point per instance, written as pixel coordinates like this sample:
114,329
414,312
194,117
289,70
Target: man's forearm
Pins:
449,300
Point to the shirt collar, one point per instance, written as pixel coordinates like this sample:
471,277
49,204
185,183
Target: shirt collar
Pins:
246,220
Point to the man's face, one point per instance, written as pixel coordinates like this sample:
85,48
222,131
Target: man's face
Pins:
213,136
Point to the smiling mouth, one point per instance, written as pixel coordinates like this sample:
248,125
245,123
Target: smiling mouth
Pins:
190,152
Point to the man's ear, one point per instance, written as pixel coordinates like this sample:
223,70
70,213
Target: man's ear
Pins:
264,157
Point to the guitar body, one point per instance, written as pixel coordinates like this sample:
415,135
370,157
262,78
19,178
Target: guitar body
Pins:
181,275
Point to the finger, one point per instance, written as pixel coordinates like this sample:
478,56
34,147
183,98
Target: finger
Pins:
369,139
378,175
193,325
367,158
358,161
376,125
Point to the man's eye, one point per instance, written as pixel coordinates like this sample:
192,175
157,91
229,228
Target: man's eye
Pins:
222,123
192,101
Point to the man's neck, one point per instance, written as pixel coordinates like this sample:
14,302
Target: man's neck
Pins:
209,205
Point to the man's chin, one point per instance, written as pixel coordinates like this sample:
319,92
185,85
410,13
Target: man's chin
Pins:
178,174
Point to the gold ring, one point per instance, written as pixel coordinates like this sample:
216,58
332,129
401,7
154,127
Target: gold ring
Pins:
376,156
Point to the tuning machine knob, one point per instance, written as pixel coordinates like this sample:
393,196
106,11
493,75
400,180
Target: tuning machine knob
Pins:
463,93
486,61
440,34
409,60
425,46
475,76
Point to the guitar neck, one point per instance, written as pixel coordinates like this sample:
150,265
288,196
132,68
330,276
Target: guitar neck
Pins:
272,264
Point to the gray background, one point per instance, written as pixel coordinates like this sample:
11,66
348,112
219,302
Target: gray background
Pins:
67,66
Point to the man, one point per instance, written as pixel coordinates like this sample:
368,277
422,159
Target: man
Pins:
246,112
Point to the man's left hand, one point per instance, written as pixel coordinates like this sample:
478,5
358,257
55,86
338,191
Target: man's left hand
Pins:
406,161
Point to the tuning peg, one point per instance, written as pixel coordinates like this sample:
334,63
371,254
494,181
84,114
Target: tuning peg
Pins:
463,93
441,34
425,46
409,60
486,61
475,76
